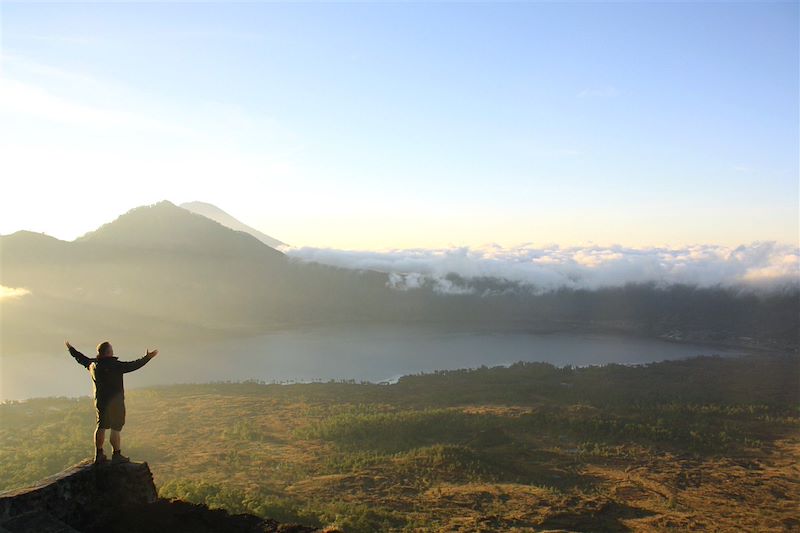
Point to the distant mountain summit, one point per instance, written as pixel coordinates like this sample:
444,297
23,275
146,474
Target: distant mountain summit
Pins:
165,226
215,213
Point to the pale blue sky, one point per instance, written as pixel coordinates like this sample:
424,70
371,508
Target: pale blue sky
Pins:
400,125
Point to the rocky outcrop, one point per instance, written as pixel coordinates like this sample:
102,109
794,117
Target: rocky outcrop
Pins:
82,495
117,499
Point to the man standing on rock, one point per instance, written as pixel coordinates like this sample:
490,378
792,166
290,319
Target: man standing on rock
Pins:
109,395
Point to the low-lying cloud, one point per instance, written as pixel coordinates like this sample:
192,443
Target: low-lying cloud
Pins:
9,293
760,264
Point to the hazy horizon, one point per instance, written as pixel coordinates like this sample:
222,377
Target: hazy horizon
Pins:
758,265
543,242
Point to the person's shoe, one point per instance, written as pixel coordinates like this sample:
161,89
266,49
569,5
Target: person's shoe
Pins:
118,458
100,457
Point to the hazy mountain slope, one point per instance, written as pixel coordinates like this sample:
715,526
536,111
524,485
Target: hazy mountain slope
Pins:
164,263
30,247
159,260
215,213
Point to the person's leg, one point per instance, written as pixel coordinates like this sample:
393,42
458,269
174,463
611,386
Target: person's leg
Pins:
99,438
117,420
100,431
117,456
115,439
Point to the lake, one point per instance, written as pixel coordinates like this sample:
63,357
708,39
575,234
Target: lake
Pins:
370,353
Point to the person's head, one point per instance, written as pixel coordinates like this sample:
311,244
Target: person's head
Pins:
104,349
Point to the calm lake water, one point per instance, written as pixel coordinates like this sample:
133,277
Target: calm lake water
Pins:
370,353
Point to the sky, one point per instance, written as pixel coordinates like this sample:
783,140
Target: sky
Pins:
375,126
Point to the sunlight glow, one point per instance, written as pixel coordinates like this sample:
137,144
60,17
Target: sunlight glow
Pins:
8,293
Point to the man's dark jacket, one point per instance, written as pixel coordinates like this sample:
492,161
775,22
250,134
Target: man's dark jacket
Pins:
106,375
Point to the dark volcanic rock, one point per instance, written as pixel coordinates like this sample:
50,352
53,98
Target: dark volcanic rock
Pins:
179,516
117,499
81,495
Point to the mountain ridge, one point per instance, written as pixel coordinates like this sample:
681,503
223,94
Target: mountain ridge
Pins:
164,225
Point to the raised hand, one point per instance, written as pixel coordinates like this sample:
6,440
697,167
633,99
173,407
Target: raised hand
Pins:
151,354
79,357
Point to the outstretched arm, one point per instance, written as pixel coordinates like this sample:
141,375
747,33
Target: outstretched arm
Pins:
130,366
79,357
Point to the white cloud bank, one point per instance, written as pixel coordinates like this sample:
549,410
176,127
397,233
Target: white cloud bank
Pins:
760,264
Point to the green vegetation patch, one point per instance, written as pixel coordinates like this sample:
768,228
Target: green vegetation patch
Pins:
347,516
402,430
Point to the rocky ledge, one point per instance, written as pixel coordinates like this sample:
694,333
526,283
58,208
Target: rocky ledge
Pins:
117,499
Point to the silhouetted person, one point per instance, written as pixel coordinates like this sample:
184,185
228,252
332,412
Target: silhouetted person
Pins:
109,395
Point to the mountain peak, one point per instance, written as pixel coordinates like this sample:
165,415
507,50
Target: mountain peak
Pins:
215,213
165,226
